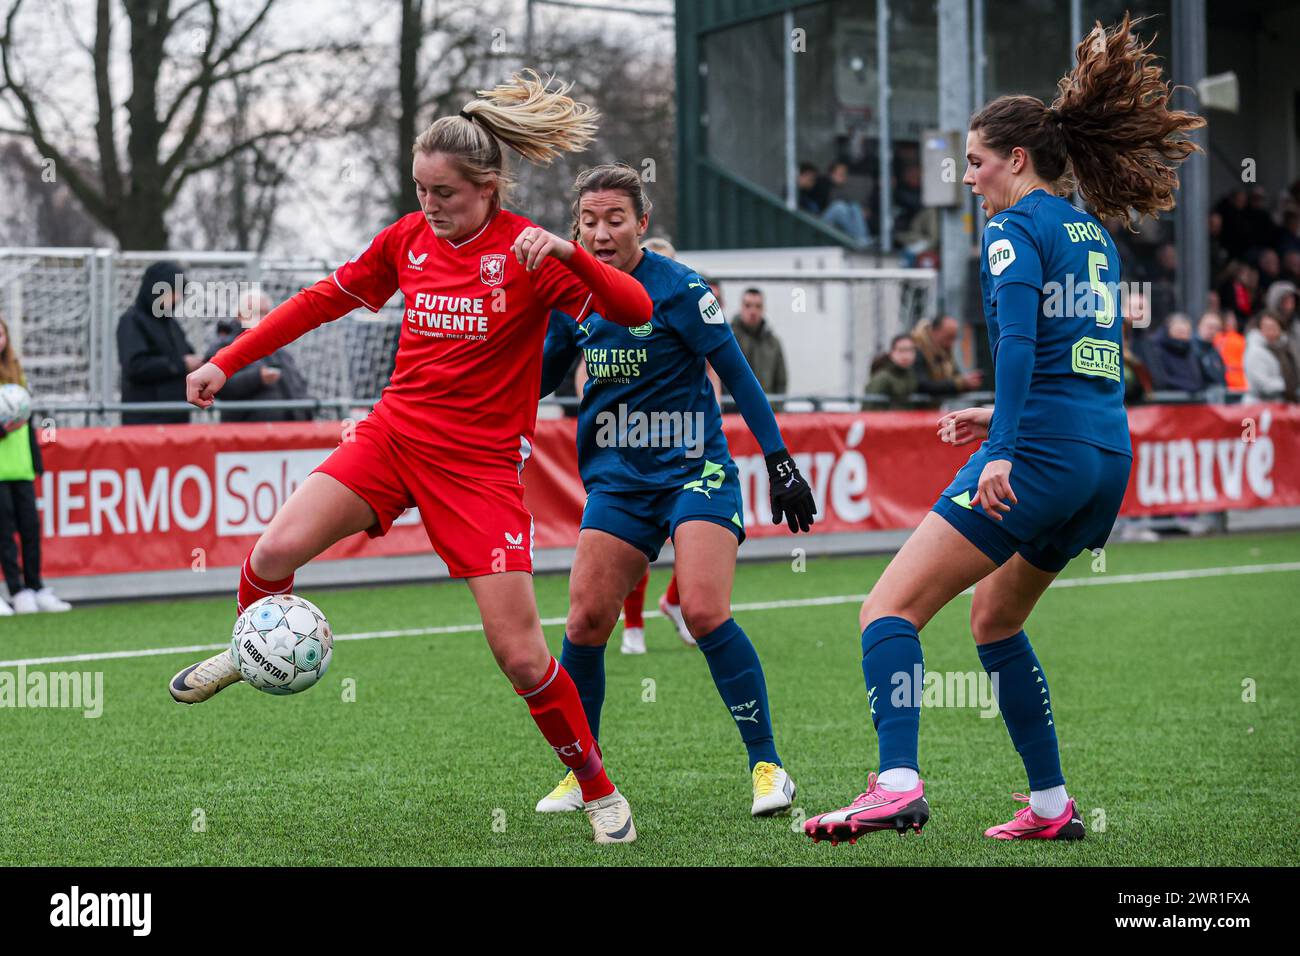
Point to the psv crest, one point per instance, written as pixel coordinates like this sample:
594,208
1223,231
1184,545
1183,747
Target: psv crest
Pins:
492,269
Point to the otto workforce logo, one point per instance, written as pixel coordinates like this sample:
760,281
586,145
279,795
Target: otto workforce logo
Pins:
1001,255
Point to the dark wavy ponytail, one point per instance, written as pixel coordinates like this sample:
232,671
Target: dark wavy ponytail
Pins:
1109,130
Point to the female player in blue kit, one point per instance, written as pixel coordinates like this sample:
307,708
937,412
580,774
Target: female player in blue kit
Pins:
655,464
1049,479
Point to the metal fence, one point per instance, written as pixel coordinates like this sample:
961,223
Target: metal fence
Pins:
62,307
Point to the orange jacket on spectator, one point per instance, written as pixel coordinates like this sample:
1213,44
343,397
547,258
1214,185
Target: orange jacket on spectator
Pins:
1232,346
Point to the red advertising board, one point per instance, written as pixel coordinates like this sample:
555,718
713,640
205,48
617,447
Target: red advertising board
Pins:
165,497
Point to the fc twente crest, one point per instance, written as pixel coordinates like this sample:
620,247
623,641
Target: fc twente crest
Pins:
492,269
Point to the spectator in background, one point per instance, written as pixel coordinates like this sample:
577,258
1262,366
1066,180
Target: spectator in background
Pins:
759,343
893,373
1238,292
660,246
814,189
1137,379
1263,231
916,226
273,378
1291,266
1214,373
20,464
842,211
1269,267
1235,233
1283,300
1271,372
1164,284
1219,257
936,368
907,196
1289,237
1231,346
154,353
1175,366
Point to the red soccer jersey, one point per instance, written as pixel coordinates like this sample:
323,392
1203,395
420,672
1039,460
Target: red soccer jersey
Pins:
468,367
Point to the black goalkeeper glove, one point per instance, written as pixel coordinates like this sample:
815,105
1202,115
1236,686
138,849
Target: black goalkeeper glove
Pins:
791,496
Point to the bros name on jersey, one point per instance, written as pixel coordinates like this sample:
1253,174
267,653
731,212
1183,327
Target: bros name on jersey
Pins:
445,316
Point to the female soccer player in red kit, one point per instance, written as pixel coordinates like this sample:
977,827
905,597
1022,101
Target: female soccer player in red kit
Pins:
454,427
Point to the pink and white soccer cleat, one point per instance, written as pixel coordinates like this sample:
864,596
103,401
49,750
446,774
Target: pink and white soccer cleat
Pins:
1027,825
876,809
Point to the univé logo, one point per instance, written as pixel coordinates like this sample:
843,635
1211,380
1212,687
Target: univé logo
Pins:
76,908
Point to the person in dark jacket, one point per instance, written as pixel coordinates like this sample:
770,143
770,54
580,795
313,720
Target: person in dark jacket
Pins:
154,353
1174,362
760,345
1214,373
269,379
894,373
936,365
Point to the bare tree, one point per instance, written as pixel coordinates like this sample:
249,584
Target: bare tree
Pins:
445,51
39,210
635,93
130,191
449,49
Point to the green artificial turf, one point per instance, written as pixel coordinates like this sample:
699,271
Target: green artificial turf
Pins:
436,761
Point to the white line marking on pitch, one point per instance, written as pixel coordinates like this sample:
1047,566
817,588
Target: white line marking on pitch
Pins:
1143,578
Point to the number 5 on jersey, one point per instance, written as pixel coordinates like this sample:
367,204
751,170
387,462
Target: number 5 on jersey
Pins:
1106,310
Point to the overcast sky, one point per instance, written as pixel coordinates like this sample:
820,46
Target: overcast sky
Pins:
315,219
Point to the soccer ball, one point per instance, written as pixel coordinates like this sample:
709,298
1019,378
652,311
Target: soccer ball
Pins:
15,405
282,644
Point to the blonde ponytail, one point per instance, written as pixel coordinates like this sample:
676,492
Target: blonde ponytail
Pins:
537,120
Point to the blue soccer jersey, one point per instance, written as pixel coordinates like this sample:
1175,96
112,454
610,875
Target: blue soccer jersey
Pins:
1077,388
649,419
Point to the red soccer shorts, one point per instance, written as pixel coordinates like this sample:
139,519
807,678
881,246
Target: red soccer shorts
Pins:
477,525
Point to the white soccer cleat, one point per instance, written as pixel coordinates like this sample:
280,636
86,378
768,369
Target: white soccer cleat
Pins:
773,790
5,609
633,640
674,613
46,600
200,681
611,819
566,796
25,602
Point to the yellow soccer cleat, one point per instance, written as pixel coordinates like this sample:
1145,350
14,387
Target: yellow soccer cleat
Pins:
567,795
773,790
